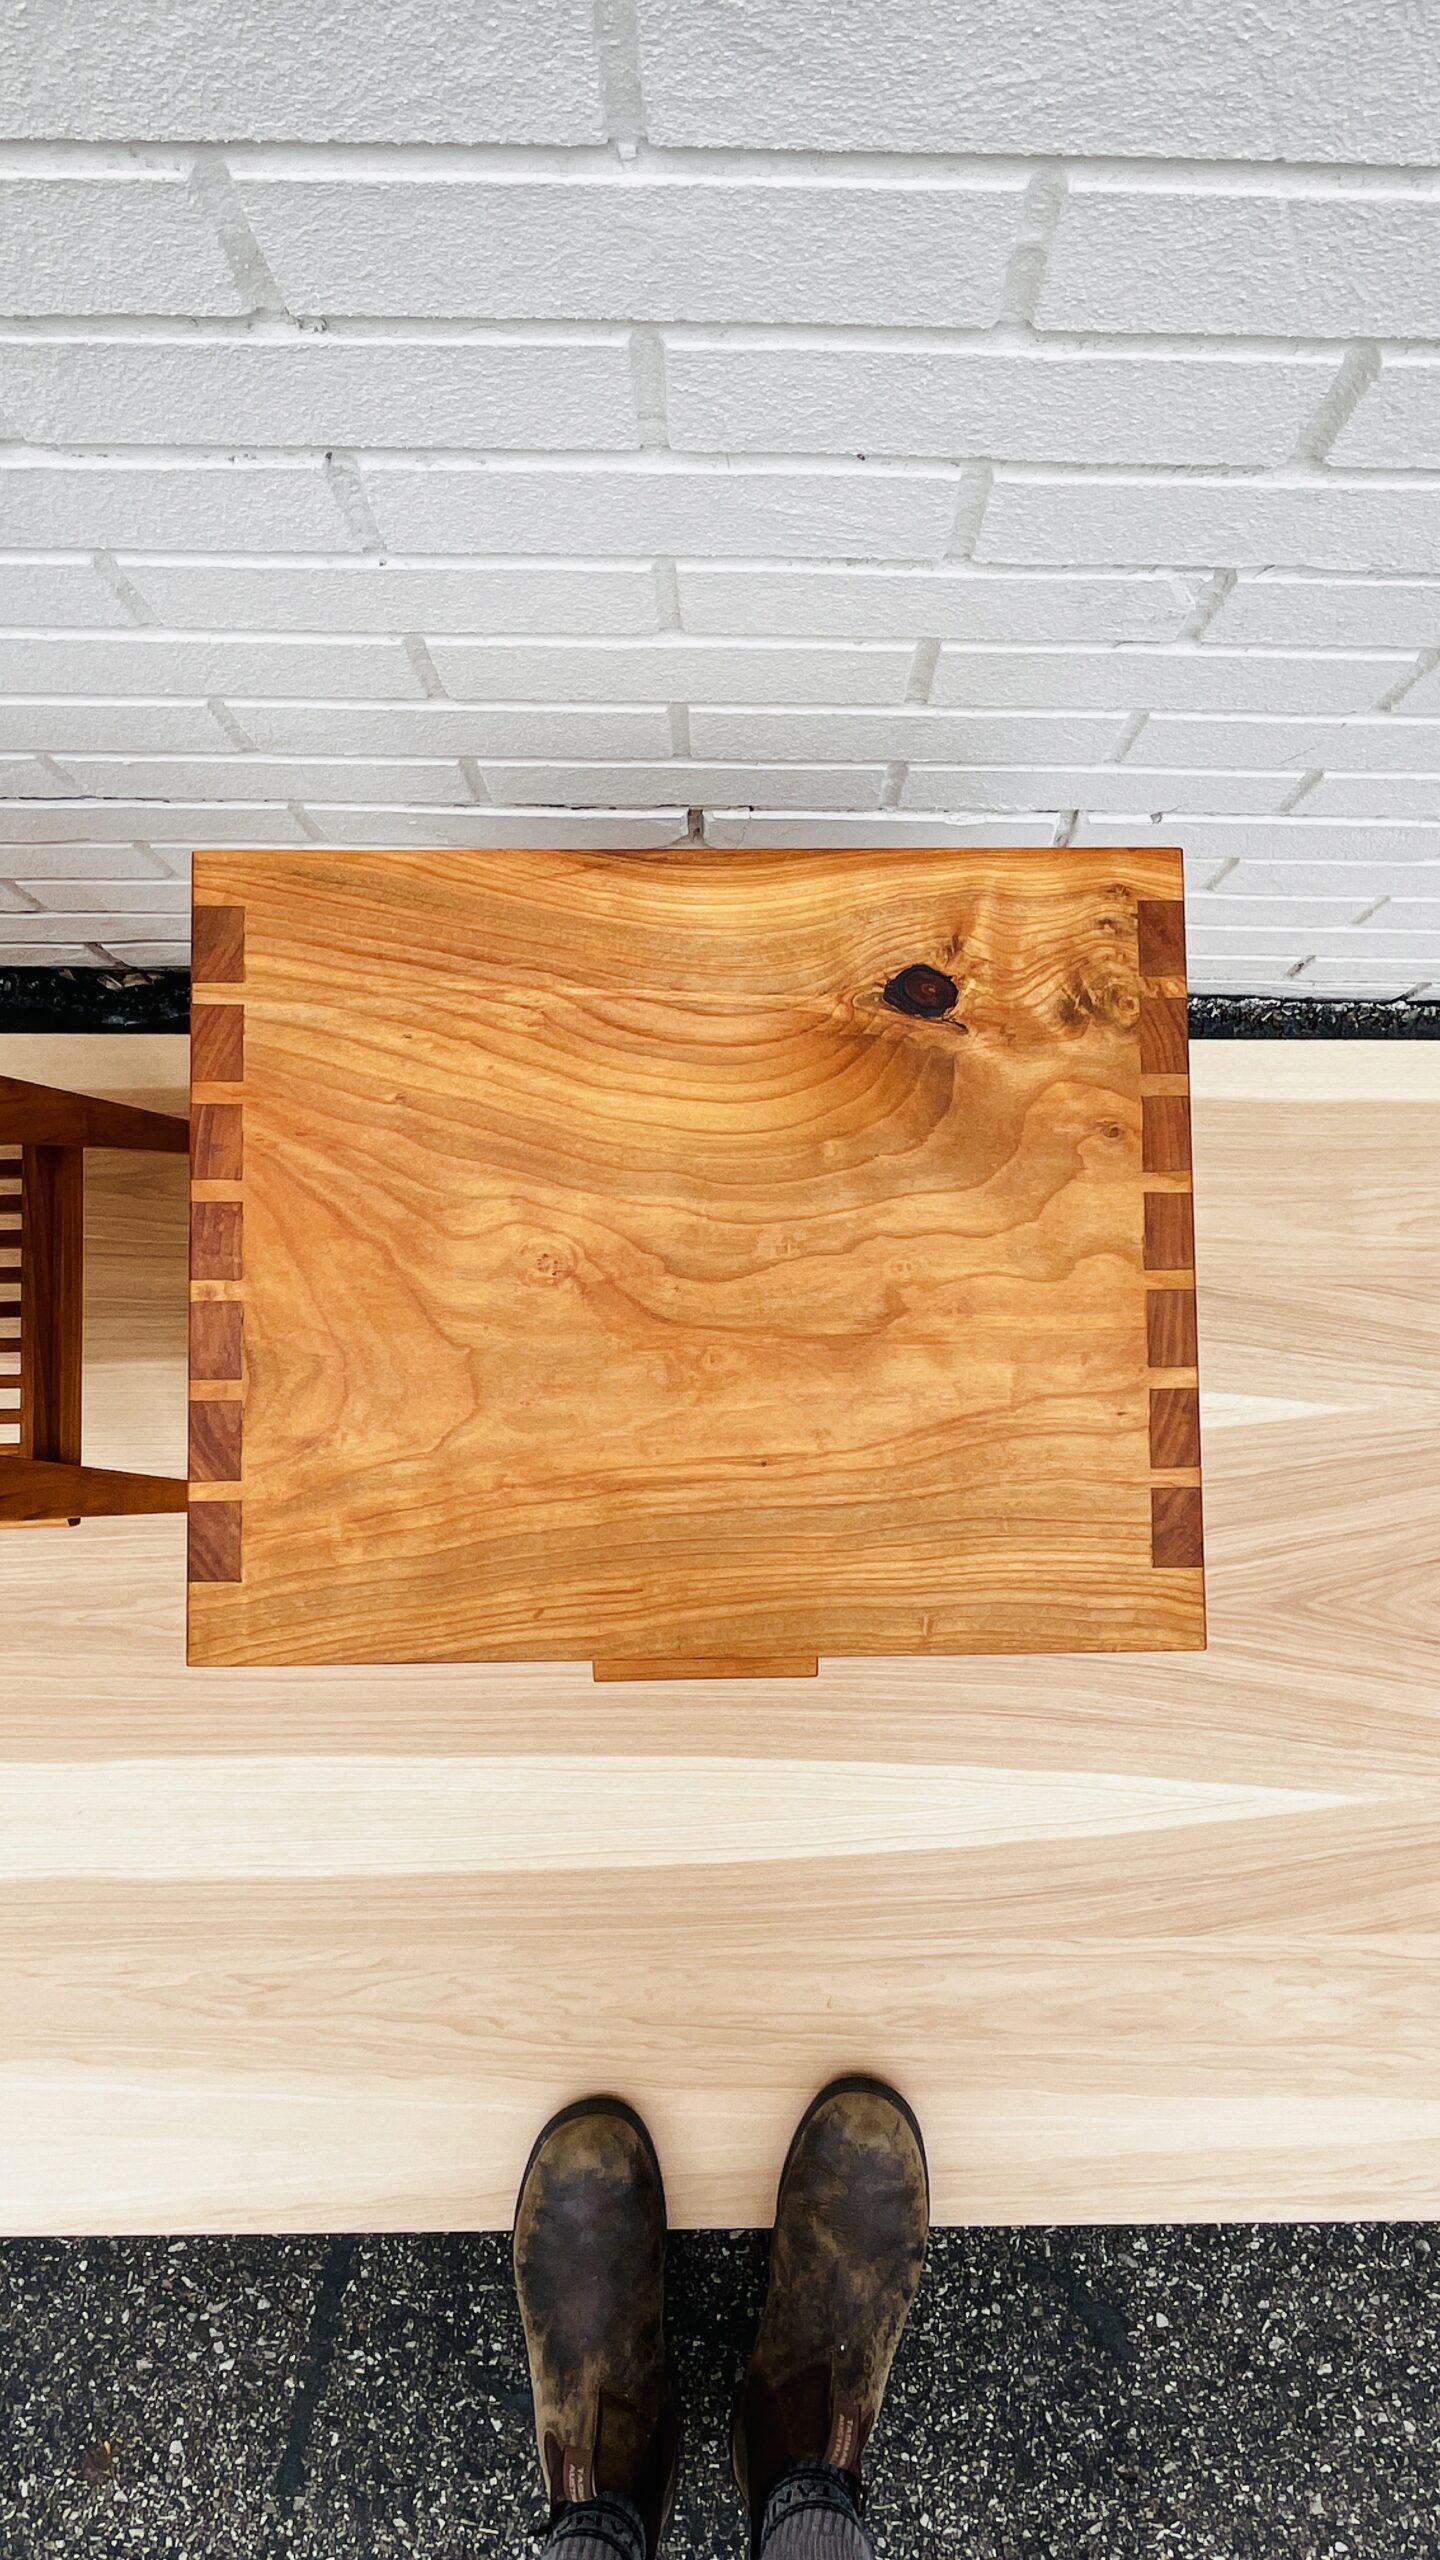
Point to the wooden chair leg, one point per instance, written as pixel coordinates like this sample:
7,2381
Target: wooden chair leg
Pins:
42,1479
33,1489
52,1283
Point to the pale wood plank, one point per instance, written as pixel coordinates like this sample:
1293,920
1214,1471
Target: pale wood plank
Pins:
1143,1937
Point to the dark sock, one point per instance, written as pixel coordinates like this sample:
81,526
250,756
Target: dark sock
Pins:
811,2488
603,2524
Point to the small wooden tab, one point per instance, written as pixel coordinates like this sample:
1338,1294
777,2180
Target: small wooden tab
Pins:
1169,1231
217,1145
1160,926
214,1543
1175,1526
1166,1140
1170,1329
215,1442
1174,1427
217,951
217,1043
216,1338
216,1240
1163,1035
708,1666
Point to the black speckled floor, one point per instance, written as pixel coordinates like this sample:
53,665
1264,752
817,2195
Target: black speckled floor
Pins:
159,1000
1246,2393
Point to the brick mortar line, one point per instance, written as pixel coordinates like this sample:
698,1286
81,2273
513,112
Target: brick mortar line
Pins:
257,160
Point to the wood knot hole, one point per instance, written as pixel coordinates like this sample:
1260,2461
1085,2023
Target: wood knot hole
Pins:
923,990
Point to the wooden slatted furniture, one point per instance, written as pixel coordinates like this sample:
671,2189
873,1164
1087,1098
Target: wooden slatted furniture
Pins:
43,1137
690,1262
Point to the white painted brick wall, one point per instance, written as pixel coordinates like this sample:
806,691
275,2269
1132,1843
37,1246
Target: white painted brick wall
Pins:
308,390
1315,257
583,423
1069,405
664,244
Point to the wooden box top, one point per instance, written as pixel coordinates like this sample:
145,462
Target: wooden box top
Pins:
690,1260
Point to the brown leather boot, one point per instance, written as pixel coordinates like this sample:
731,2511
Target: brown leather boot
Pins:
849,2241
590,2274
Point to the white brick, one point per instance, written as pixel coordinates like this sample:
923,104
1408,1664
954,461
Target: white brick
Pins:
655,504
673,669
1295,913
214,505
68,592
1397,424
1367,944
150,955
1025,405
1423,699
954,603
149,662
260,778
141,898
564,829
883,826
1192,679
771,786
648,243
1242,262
1360,881
1331,613
21,778
1108,787
516,730
825,737
309,389
427,595
44,863
1210,841
1359,977
53,941
138,243
50,955
1330,524
1147,77
77,821
58,727
381,71
1359,746
1377,795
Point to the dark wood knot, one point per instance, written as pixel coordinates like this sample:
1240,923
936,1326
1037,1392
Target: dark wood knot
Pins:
923,990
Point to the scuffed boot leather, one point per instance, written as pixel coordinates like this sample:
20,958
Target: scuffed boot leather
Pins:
851,2221
590,2274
